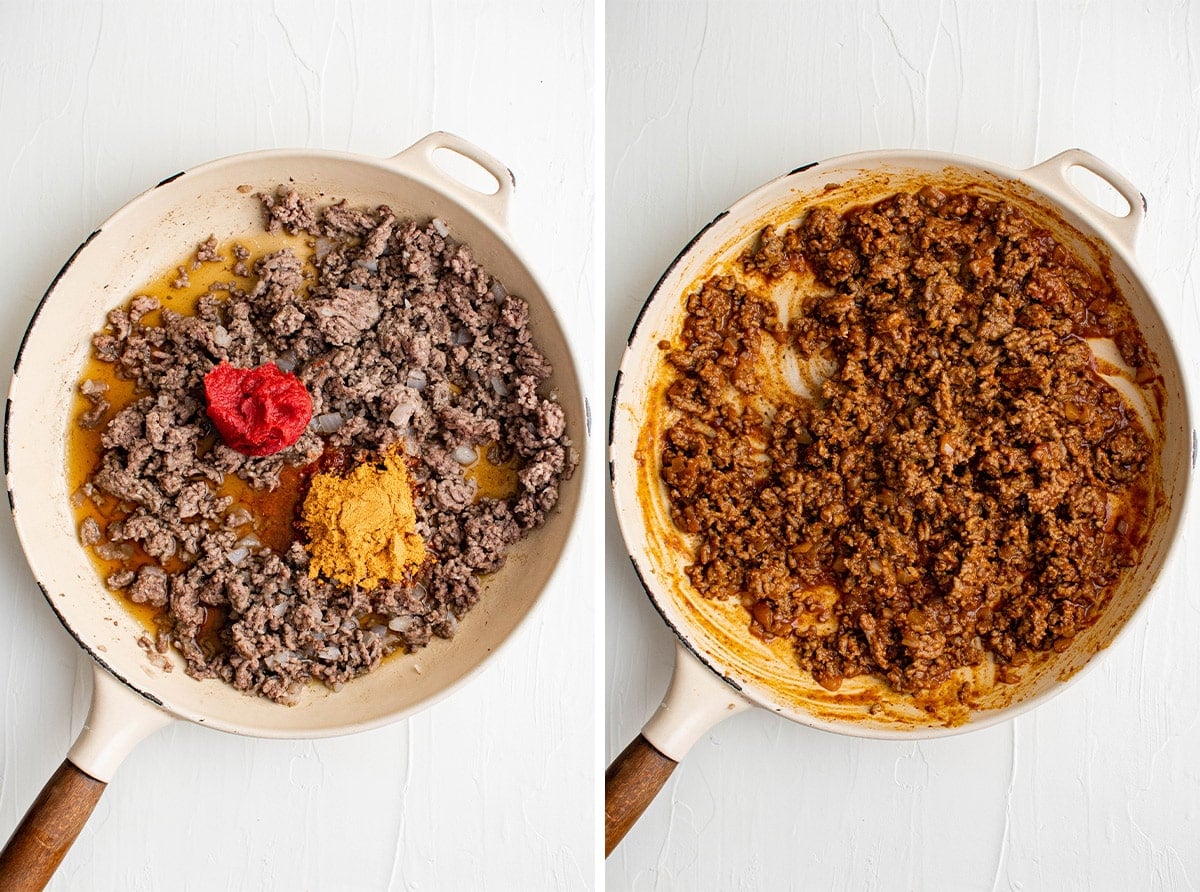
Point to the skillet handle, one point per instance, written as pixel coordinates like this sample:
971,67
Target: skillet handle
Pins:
48,829
630,785
118,720
1052,175
418,159
696,701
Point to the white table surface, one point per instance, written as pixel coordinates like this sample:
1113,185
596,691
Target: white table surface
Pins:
1098,789
492,789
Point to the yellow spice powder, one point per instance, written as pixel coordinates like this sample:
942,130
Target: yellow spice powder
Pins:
362,527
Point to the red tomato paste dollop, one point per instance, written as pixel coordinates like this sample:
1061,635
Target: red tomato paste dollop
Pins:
257,411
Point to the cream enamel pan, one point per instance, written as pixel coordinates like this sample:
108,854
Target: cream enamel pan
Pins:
720,669
132,697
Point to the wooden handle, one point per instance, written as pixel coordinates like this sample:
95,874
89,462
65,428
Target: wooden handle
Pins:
42,838
630,784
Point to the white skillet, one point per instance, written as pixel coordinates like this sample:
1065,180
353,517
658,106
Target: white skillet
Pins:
132,698
721,670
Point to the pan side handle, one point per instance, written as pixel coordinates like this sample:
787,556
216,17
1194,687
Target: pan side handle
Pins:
418,159
1052,174
117,721
696,701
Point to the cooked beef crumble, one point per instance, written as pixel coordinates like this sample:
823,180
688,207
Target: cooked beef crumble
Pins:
964,480
402,341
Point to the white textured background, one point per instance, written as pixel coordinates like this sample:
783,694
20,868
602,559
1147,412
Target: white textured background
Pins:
1099,789
493,789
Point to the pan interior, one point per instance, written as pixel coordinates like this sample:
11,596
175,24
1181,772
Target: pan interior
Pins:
717,631
151,234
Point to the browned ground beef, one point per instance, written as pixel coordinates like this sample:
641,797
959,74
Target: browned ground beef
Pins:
965,480
403,340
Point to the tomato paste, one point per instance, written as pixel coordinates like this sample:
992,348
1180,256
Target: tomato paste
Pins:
257,411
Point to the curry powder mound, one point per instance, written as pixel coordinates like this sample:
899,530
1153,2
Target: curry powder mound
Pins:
362,526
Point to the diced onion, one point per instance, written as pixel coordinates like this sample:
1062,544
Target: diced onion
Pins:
440,227
402,414
464,455
328,423
112,551
402,623
282,658
221,336
418,380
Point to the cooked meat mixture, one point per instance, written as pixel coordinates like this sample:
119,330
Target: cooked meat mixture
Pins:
961,483
402,342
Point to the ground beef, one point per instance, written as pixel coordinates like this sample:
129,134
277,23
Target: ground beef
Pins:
405,342
94,392
964,482
241,254
89,531
149,586
207,252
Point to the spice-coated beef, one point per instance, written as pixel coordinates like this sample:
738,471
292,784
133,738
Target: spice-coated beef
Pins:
964,479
